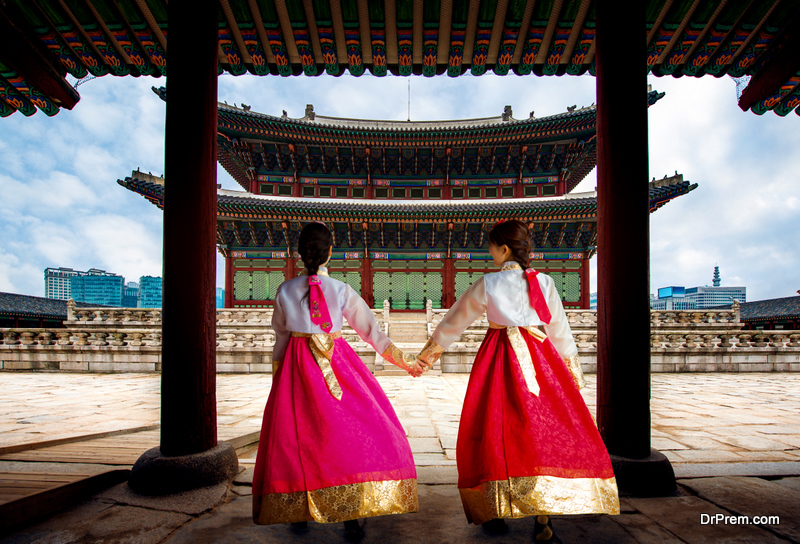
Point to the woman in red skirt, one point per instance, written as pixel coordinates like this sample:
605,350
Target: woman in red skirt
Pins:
527,444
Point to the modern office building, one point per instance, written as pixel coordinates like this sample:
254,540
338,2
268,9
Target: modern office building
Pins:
149,292
698,298
130,295
220,297
57,282
97,287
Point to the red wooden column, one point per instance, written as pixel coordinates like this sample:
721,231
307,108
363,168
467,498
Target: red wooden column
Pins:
448,283
623,315
366,281
229,282
189,456
586,282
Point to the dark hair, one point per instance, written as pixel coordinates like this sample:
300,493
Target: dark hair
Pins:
515,235
313,245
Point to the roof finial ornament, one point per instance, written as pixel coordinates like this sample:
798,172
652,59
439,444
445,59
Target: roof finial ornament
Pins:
284,115
507,113
161,92
310,112
245,107
571,109
531,115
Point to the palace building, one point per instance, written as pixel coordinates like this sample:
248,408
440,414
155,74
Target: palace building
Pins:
410,203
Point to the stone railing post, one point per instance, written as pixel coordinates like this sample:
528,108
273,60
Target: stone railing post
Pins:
385,310
70,310
737,311
429,311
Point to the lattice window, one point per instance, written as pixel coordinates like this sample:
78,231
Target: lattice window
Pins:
463,280
260,286
241,285
416,291
572,287
275,280
381,288
433,288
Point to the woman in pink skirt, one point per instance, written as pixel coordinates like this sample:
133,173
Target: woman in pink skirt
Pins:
527,444
331,446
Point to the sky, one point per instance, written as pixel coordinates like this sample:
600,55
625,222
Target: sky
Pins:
60,205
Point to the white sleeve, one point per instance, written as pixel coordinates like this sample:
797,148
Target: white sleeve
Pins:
461,315
361,318
279,326
558,330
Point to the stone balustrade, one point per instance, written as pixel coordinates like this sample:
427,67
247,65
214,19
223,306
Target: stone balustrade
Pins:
129,340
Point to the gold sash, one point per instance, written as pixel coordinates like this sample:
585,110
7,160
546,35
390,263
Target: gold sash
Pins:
523,353
321,345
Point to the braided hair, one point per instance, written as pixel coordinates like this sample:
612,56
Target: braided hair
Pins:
313,245
515,235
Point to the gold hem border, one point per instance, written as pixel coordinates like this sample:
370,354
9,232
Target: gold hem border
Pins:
337,503
524,496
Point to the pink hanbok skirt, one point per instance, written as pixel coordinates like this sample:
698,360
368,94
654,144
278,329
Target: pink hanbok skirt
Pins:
328,460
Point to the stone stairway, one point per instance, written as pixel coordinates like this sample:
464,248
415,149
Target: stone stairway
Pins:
409,332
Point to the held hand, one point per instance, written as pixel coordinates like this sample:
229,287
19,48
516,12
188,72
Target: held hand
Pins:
424,364
412,366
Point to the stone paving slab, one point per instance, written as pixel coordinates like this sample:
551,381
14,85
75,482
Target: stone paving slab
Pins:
753,497
94,521
696,418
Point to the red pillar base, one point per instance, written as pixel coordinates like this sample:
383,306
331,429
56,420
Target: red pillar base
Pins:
157,474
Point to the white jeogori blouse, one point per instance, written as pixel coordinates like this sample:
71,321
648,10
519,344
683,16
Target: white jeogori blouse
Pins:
291,312
505,298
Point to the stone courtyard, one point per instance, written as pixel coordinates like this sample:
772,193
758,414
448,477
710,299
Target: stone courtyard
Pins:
733,439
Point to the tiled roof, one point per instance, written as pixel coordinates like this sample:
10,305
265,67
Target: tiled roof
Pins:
52,38
787,307
30,306
243,202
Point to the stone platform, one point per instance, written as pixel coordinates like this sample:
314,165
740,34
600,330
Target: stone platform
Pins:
733,439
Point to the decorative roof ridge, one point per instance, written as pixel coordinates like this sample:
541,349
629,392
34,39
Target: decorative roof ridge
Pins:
339,122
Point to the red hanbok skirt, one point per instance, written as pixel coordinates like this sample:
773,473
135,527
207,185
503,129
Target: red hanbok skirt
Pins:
520,454
328,460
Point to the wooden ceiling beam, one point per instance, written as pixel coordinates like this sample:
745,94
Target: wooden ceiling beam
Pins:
132,34
497,31
678,32
262,34
702,37
313,32
547,39
24,56
659,21
472,26
417,33
364,33
338,32
109,35
524,30
151,22
575,34
445,18
753,34
782,65
237,34
390,14
287,31
86,39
